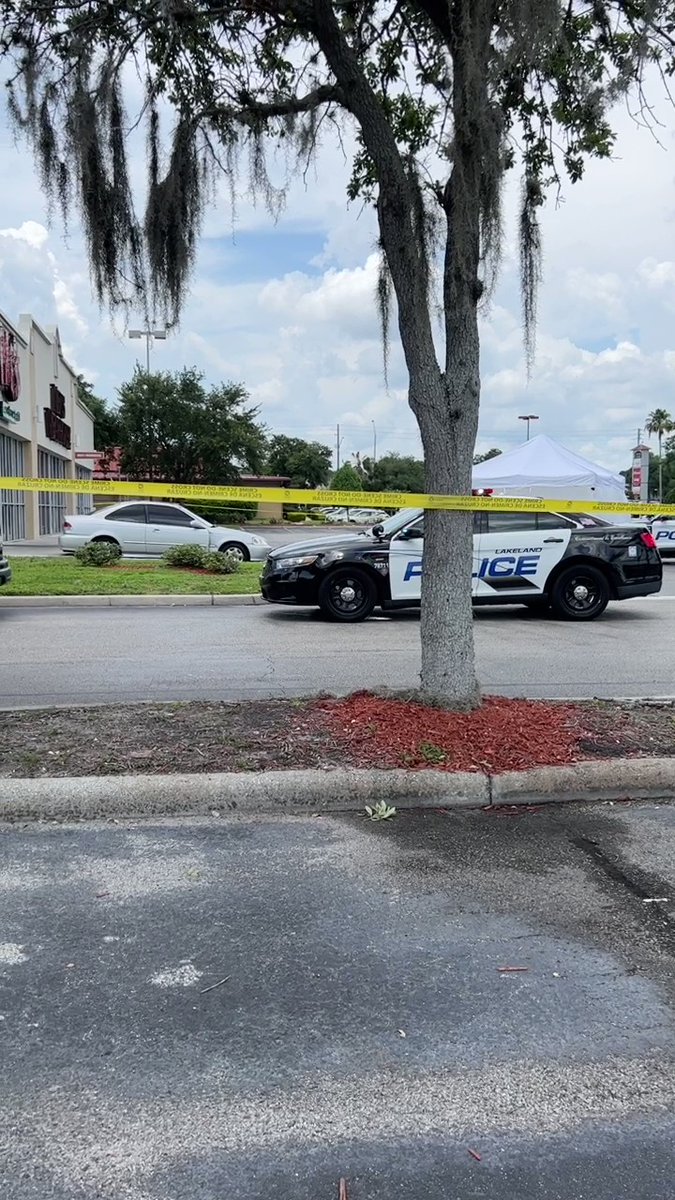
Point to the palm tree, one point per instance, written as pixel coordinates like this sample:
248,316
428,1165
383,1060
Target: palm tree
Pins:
659,422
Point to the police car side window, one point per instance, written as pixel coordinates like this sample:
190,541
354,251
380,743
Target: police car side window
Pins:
510,522
552,521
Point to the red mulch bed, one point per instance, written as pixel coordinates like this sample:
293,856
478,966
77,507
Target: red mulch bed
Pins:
359,731
501,735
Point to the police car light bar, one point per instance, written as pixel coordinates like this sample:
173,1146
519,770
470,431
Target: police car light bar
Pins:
482,491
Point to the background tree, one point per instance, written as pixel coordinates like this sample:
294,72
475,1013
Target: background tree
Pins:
445,96
172,428
392,473
106,418
347,479
480,458
306,464
659,422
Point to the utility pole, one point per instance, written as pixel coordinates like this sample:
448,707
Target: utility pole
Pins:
374,443
338,443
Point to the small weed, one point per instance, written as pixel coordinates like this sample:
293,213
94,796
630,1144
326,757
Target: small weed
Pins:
30,759
380,811
431,753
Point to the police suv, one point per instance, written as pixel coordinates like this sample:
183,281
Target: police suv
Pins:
574,564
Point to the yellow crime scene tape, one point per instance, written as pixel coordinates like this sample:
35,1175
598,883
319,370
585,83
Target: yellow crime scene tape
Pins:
243,495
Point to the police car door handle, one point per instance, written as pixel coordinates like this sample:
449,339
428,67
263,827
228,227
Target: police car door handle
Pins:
547,540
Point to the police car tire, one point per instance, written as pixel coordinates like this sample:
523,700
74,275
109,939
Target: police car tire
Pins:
569,609
357,609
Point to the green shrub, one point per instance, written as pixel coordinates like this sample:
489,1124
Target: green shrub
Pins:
220,564
98,554
185,556
296,518
320,518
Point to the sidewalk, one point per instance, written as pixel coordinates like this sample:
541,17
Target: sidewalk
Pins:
43,547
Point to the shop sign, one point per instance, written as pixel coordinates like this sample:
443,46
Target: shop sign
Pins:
8,413
55,426
10,378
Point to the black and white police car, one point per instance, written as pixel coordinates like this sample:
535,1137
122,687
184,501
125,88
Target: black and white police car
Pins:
574,564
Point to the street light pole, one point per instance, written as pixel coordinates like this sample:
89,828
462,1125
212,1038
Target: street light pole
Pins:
529,417
374,443
149,334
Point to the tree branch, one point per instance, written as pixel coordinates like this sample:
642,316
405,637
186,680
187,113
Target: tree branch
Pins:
397,209
254,113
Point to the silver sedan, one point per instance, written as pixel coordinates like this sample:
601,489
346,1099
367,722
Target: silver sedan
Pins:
150,529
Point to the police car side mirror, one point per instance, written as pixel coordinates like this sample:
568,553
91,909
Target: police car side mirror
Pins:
377,530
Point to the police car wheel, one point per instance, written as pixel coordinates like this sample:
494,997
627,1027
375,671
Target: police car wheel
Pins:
580,594
347,595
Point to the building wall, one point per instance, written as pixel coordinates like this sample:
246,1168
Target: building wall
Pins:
36,444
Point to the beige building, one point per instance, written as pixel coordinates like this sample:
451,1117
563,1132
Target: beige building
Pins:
45,429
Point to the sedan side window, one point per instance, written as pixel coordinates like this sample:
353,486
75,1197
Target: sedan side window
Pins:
130,512
160,514
415,531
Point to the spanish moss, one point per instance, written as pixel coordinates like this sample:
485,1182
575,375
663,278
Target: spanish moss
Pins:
530,263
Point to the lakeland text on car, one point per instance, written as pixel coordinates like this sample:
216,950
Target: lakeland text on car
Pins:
150,529
574,564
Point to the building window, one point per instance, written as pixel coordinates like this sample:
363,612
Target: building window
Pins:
12,504
51,505
85,504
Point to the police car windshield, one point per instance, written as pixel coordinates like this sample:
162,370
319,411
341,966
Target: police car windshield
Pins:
399,519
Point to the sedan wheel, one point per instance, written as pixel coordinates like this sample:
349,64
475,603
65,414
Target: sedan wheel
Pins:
238,551
580,594
347,595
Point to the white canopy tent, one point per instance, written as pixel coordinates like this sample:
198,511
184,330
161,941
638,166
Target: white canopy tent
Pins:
543,467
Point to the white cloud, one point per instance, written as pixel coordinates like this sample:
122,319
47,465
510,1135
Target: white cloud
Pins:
30,232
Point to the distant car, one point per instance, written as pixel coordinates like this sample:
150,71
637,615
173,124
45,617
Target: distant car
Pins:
5,569
355,516
150,529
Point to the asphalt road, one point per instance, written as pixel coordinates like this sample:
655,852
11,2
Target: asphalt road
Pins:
83,655
356,1022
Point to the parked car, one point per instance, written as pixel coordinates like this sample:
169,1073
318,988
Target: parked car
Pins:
5,569
355,516
572,563
150,529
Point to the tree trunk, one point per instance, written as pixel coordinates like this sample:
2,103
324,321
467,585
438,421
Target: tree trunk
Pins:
444,402
448,427
448,419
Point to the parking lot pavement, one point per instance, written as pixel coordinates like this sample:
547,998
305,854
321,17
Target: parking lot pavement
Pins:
254,1008
105,655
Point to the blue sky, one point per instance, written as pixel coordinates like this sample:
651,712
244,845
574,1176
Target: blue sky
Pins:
288,307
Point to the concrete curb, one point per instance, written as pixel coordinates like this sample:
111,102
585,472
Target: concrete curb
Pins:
329,791
204,601
246,792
